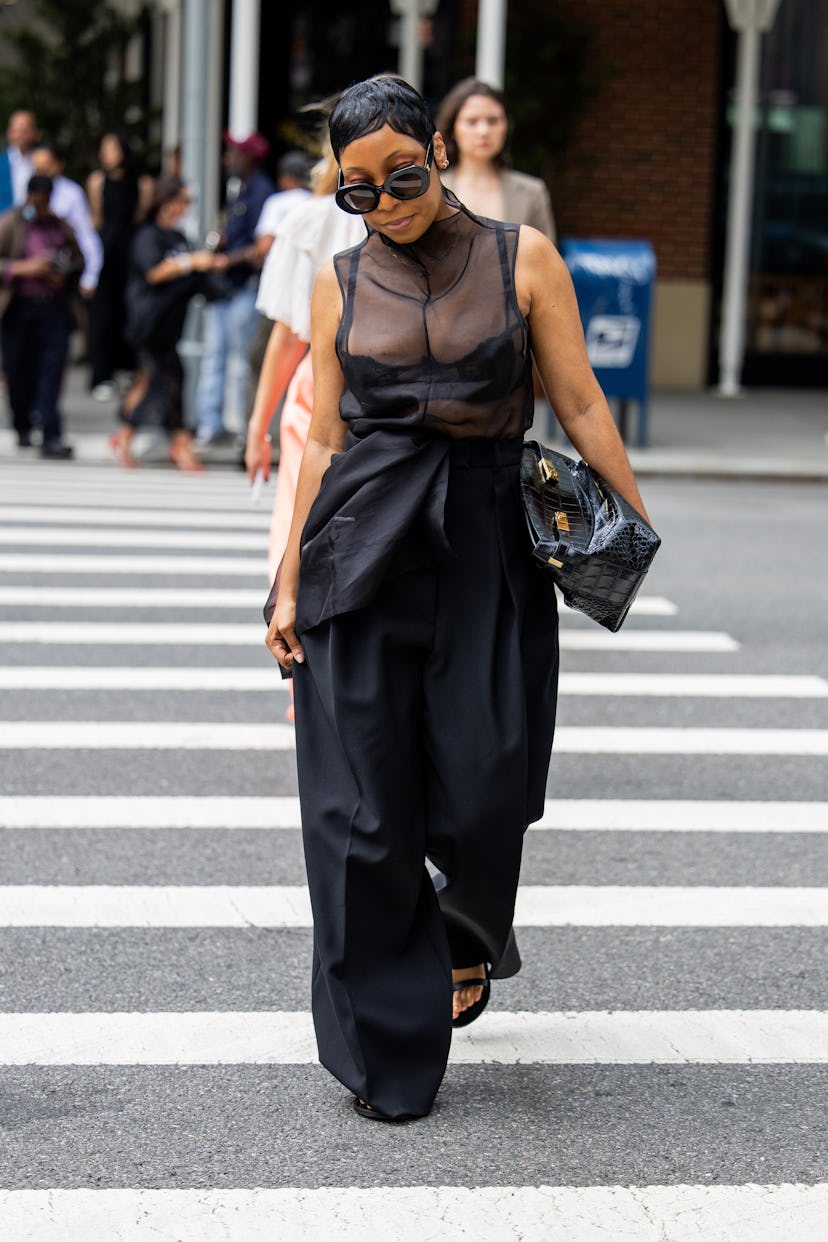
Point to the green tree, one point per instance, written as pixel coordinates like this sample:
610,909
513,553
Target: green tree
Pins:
68,65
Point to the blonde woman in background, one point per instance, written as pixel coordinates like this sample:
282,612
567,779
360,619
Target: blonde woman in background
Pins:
309,236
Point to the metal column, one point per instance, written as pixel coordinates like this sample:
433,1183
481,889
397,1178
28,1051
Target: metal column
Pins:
490,65
750,18
244,68
410,13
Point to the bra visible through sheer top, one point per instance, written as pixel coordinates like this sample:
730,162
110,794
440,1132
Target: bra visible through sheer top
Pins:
431,335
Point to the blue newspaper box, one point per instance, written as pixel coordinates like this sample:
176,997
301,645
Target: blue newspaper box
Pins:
613,283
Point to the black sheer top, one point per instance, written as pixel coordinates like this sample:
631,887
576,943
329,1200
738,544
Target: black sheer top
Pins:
431,334
433,347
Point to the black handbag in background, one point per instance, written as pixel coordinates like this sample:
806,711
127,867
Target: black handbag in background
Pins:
596,546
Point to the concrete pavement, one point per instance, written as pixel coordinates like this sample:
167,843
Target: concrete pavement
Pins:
766,434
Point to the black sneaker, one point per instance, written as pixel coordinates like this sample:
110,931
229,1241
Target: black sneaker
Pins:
56,450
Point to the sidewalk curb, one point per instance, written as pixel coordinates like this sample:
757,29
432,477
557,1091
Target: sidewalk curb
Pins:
92,450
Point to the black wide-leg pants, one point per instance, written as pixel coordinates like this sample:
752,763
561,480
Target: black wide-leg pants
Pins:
424,727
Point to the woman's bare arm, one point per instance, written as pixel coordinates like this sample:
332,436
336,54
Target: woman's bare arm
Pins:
325,437
94,193
547,298
181,265
285,350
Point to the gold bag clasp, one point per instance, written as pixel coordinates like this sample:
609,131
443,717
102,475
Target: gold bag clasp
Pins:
547,471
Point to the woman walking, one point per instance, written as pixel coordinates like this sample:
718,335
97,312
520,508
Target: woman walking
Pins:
164,275
421,638
307,239
118,197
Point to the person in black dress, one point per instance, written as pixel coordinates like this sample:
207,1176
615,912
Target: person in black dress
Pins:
118,197
164,275
421,638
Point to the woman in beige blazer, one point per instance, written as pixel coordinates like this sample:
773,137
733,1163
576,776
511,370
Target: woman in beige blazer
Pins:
473,121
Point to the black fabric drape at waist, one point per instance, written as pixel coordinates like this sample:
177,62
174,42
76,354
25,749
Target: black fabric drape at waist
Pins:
374,494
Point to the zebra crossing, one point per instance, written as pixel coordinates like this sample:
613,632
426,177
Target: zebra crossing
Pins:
657,1071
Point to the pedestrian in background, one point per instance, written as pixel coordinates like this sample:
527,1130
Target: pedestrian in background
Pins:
229,324
40,264
293,173
475,127
22,136
118,199
421,637
69,203
310,236
164,275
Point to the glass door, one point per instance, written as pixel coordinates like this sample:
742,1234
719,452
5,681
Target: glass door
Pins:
787,318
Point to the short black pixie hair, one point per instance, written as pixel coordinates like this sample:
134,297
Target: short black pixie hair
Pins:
382,100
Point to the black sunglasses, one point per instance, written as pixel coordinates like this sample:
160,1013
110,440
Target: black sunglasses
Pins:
362,197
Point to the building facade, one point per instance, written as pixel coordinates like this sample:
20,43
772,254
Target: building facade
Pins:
644,152
625,108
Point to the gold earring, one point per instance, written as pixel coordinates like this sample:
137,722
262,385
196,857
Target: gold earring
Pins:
444,165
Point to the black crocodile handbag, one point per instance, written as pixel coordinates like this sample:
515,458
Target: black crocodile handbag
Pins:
596,546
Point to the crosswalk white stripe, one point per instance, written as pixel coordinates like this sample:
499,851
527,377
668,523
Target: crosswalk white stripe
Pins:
644,606
575,815
656,906
83,563
626,1037
95,811
648,640
642,815
82,905
675,1213
152,735
155,677
105,537
217,502
234,634
86,478
695,685
145,597
574,740
135,597
266,679
50,516
49,488
139,677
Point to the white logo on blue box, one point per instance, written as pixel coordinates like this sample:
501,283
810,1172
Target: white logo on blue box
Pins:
611,340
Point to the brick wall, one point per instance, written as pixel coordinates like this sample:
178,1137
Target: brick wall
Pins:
642,163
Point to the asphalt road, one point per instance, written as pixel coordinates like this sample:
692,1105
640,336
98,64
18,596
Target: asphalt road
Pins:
742,560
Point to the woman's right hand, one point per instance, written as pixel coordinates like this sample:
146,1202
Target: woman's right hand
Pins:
281,637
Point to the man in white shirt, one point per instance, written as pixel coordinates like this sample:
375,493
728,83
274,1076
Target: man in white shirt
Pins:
292,179
69,203
22,137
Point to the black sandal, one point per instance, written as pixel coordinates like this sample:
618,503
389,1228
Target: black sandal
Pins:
474,1011
373,1114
